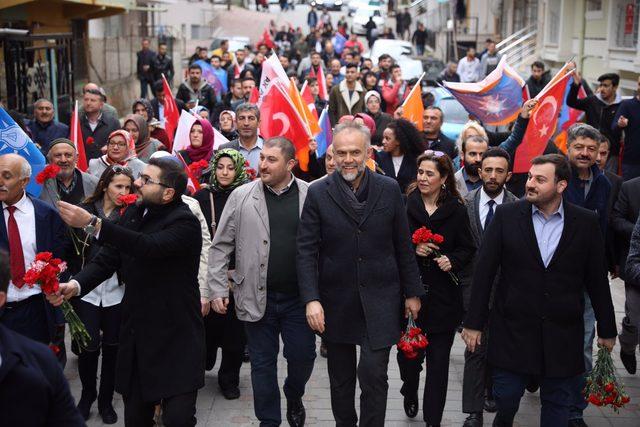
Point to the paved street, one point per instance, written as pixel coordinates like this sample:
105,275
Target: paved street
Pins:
214,410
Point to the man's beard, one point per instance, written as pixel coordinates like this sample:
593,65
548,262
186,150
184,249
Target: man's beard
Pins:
149,200
65,173
472,169
350,177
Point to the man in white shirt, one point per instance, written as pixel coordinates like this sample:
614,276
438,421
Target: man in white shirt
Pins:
481,205
30,226
469,67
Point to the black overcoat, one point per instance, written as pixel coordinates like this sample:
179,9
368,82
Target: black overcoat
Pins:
360,270
162,332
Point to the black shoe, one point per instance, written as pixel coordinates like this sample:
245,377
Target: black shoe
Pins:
230,393
323,349
629,361
296,414
578,422
490,406
411,406
533,385
107,413
245,355
84,405
473,420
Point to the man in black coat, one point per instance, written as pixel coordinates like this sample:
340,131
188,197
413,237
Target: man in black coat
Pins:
156,249
162,64
549,252
33,389
144,67
623,218
356,270
434,139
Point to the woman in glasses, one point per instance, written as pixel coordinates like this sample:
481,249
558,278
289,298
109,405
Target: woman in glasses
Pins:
100,309
401,145
223,331
121,150
435,203
139,131
200,142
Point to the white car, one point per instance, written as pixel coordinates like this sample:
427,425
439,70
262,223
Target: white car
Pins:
402,53
355,5
361,18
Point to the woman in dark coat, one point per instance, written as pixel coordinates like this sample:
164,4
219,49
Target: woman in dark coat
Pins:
401,144
434,202
223,331
100,310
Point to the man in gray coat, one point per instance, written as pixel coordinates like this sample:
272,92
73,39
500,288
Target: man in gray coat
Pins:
357,274
481,205
71,185
260,222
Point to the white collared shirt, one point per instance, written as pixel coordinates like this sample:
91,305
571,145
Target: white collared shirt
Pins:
284,190
484,204
108,293
25,216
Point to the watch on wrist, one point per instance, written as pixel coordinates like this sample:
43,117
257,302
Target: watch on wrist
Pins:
91,227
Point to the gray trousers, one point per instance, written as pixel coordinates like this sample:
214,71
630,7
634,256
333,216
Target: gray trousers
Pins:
629,336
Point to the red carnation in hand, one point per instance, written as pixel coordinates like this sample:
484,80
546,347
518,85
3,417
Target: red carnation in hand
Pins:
44,256
126,200
49,172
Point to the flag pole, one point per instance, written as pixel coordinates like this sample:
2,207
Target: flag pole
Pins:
75,125
413,88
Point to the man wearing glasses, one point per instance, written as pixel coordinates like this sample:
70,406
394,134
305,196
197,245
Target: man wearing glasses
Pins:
156,249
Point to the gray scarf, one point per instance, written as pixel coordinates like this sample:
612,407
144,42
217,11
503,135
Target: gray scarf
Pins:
357,200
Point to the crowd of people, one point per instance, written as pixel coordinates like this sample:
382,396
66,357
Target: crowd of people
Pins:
267,251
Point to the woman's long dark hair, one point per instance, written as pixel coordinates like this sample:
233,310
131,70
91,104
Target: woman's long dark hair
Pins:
105,179
408,136
445,167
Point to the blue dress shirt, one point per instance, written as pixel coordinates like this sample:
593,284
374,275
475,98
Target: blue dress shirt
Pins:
548,231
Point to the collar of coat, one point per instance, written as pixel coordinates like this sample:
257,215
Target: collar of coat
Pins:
357,92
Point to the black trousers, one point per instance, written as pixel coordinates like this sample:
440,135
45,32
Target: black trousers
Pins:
29,318
177,411
225,332
476,382
371,372
435,388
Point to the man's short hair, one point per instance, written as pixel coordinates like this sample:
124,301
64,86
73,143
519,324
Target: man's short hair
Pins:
248,79
433,107
488,41
473,138
171,174
158,86
538,64
94,92
216,56
162,44
41,100
605,140
563,170
246,106
5,271
351,126
582,130
383,57
286,147
311,80
496,152
615,78
195,67
393,67
314,53
351,65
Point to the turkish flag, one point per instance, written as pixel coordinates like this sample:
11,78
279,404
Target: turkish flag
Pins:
542,123
307,97
255,95
76,137
281,118
171,112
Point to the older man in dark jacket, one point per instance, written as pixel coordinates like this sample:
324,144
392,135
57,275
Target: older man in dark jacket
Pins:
356,270
156,249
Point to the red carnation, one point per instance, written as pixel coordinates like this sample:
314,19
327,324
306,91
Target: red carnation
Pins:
251,173
89,140
54,348
125,200
49,172
424,235
43,256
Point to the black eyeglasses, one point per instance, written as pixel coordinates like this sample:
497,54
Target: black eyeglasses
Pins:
145,179
118,169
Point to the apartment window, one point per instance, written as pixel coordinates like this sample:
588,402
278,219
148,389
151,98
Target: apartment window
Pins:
594,5
200,31
625,23
553,27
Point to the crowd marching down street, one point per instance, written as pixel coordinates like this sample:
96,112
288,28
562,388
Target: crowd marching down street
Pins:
301,190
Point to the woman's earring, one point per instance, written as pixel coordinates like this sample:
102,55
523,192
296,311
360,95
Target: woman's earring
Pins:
443,186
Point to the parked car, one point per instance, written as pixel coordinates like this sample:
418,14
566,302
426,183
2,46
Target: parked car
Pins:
402,53
455,115
355,5
329,4
235,43
361,18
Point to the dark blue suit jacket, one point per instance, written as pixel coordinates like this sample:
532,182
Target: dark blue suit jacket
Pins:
33,389
50,237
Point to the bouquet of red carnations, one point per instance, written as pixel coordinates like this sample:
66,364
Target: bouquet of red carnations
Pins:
412,340
603,388
45,272
424,235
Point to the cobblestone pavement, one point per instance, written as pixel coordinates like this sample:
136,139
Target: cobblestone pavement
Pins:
214,410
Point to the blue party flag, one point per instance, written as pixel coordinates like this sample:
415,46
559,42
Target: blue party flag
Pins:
325,136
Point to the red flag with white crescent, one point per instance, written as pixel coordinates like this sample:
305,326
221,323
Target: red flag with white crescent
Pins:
171,112
280,118
76,137
542,124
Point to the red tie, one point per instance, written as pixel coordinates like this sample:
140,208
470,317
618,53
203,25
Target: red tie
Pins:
15,250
